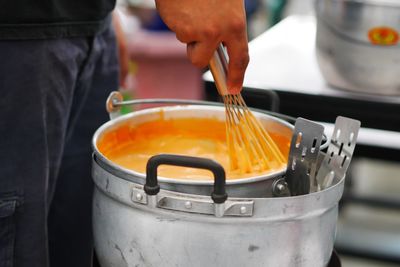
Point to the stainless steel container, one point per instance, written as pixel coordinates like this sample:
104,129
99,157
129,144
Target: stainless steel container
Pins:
198,224
358,46
257,186
182,229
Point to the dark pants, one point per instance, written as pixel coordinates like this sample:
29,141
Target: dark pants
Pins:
52,100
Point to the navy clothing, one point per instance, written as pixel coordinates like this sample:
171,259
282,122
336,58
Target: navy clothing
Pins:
52,100
32,19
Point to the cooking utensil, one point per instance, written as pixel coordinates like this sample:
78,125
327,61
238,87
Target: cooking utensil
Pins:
303,155
358,44
339,154
249,144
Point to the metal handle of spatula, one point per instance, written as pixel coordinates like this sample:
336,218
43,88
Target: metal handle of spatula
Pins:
219,70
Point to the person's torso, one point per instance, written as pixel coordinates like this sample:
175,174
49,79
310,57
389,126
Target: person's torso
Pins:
33,19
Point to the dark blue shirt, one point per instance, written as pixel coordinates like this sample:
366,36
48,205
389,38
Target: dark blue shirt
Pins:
43,19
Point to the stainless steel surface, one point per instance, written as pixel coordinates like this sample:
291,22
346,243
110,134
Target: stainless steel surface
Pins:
303,155
347,57
288,231
257,186
178,202
340,152
182,226
219,69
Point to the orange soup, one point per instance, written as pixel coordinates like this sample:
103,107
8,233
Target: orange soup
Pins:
130,146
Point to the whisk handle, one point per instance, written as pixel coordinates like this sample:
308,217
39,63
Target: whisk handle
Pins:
219,70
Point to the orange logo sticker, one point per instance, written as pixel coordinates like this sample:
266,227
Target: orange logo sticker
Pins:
383,36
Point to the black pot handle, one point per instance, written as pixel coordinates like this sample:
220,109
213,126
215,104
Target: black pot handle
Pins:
152,187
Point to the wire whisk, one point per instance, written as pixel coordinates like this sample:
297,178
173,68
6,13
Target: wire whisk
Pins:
251,148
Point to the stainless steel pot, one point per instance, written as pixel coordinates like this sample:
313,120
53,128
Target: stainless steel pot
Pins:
146,220
137,225
358,46
257,186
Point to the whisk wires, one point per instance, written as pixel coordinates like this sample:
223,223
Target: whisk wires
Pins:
250,146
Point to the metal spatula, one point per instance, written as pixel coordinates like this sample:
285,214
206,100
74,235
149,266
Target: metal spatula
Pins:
303,155
340,152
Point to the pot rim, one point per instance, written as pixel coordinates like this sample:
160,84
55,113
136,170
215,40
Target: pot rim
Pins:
115,167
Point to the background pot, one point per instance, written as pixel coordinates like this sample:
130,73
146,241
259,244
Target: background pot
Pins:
358,46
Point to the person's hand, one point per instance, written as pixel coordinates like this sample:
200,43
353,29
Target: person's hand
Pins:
123,55
203,24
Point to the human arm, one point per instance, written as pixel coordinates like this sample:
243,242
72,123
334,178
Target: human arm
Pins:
123,55
203,24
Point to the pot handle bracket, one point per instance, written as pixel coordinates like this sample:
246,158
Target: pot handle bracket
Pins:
152,188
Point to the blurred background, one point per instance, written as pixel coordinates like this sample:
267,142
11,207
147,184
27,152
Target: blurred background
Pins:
283,60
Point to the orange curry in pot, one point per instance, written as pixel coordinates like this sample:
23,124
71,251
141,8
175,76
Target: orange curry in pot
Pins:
130,146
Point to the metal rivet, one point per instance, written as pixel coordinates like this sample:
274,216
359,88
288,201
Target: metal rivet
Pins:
280,187
243,210
139,196
188,204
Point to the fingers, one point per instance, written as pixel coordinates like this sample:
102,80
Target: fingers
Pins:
186,34
238,61
200,53
203,24
201,43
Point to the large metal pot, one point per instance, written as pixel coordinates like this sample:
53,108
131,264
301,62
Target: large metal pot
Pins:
257,186
132,228
358,46
146,220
